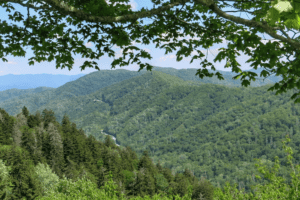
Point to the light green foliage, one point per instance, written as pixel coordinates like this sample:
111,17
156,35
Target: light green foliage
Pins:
47,178
283,10
161,182
5,184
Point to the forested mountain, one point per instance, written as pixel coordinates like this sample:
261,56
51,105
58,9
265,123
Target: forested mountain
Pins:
215,131
105,78
36,151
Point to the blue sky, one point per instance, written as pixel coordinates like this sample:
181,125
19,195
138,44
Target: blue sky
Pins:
19,65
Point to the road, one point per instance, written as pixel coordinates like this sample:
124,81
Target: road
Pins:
110,136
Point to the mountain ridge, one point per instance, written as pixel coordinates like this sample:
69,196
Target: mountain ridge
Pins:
203,126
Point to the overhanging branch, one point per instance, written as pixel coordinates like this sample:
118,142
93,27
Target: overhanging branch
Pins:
250,23
65,9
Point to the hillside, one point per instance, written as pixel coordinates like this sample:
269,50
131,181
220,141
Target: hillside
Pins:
38,156
216,131
107,77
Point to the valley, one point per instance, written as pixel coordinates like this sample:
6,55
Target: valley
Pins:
214,129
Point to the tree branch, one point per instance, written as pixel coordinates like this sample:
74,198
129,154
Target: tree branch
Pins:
249,23
65,9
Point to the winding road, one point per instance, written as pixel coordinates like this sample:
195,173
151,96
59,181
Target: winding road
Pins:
110,136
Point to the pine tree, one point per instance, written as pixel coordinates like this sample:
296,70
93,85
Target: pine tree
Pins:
25,111
69,170
32,121
146,162
66,124
56,149
29,141
24,178
39,130
181,185
145,184
16,133
6,127
48,116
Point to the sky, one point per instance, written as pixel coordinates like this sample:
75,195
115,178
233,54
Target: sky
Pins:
20,65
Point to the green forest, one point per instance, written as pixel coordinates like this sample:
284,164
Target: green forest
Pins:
174,132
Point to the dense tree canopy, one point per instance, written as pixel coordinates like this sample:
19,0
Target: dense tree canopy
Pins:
271,17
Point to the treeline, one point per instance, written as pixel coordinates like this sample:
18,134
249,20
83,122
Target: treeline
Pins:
27,140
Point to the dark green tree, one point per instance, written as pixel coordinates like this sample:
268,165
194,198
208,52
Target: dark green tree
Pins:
25,111
6,126
48,116
144,184
29,141
66,124
146,162
203,189
32,121
70,170
24,178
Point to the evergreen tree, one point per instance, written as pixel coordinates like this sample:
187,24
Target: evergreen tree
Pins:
5,181
69,170
46,147
32,121
161,183
109,142
24,178
159,167
182,184
16,133
93,146
6,127
68,152
168,174
46,177
56,149
144,184
66,124
29,141
203,189
146,162
39,150
25,111
190,177
108,162
39,117
48,116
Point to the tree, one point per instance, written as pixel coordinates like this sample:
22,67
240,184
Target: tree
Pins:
56,149
270,17
29,141
25,111
48,116
24,178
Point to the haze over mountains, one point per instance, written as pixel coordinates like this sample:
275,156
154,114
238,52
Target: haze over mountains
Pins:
31,81
214,127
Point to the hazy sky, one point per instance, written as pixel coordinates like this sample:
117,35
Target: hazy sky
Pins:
19,65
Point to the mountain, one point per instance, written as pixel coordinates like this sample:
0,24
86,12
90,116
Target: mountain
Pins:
12,86
41,159
214,130
30,81
189,75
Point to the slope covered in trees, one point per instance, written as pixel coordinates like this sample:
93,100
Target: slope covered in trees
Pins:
213,130
29,144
